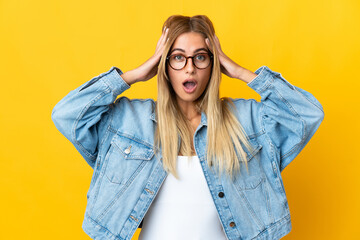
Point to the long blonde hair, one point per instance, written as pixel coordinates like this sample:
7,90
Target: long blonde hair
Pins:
224,131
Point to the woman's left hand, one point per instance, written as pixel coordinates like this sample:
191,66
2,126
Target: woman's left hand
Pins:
229,67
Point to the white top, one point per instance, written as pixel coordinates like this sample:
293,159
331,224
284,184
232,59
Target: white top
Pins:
183,209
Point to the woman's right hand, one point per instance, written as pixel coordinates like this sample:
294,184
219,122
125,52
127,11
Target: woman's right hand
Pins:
148,69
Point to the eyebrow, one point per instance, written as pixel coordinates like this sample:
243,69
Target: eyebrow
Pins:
182,50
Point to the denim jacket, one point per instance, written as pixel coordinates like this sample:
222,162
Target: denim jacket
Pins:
116,137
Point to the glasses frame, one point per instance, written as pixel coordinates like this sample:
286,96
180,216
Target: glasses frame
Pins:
192,58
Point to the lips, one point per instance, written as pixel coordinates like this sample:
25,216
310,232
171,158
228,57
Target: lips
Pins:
190,85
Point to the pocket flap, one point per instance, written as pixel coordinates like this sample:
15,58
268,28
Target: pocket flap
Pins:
132,149
256,147
250,155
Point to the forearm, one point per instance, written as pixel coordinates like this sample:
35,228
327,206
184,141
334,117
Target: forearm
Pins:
129,77
245,74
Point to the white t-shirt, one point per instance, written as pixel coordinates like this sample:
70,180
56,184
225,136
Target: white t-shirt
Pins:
183,209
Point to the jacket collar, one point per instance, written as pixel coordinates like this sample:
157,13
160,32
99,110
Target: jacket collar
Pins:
203,117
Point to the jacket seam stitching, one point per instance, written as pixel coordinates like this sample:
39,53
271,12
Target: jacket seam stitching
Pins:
310,101
101,226
293,149
267,84
292,110
99,96
102,173
282,221
131,137
108,126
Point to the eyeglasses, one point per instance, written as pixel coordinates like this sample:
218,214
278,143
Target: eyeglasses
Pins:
178,61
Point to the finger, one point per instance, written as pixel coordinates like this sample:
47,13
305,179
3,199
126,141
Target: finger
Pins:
161,45
165,34
165,31
207,42
217,43
162,34
162,37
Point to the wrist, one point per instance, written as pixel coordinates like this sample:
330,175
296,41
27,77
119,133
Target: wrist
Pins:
129,77
246,75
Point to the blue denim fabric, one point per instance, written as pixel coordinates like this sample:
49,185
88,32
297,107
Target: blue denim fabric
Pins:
116,138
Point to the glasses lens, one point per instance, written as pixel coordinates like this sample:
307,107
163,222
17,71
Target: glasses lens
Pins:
177,61
200,60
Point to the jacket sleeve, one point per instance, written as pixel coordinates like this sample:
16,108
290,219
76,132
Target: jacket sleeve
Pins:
289,115
84,114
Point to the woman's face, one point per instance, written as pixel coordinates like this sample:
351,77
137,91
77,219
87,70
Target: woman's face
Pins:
189,44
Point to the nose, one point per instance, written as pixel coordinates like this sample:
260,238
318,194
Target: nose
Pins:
189,65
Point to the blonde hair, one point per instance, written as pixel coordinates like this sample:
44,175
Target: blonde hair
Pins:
224,131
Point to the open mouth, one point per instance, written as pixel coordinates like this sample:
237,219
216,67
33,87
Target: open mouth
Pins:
189,86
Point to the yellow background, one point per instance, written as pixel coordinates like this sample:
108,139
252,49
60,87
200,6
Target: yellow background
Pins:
49,48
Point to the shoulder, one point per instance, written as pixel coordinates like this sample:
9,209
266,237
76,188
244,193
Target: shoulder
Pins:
133,117
246,106
242,102
137,104
124,99
124,102
248,112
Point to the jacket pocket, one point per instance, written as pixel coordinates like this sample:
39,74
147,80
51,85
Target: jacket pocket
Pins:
255,197
253,188
256,147
126,158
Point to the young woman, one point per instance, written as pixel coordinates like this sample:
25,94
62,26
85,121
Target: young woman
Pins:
191,165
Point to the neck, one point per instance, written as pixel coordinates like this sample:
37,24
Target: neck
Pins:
189,110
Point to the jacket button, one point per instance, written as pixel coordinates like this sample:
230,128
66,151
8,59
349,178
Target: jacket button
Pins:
221,194
232,224
127,151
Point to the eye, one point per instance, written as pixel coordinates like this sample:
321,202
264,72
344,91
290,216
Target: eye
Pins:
178,57
201,57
